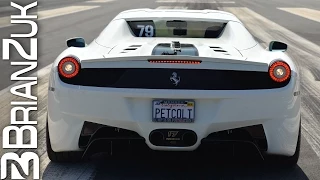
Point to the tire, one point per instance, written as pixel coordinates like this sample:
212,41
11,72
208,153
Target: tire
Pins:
286,161
72,156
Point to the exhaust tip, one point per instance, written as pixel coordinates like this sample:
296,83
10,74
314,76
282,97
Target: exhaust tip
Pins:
173,137
189,138
156,137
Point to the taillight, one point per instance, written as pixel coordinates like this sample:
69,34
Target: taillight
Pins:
279,71
69,67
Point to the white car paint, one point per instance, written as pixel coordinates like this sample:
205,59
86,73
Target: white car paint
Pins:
278,110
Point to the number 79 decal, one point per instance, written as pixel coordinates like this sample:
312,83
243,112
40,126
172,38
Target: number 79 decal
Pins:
146,30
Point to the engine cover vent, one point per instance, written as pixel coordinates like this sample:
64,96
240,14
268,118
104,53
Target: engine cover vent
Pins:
131,48
219,50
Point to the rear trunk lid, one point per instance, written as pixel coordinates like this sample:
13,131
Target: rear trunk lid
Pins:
190,47
213,54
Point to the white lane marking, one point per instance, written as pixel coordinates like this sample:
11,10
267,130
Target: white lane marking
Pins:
46,14
304,12
226,2
10,8
164,7
180,7
63,11
5,21
99,1
7,8
261,28
172,7
192,1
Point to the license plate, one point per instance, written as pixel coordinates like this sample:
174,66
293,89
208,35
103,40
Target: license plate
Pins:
180,111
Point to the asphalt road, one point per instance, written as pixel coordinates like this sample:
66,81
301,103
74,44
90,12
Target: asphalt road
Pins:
266,20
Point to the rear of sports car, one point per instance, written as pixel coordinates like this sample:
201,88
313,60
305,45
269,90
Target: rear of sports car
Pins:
172,102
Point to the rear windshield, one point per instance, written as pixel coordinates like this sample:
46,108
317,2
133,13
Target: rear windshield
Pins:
177,28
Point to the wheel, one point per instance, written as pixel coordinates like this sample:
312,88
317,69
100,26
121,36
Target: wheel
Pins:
67,156
286,161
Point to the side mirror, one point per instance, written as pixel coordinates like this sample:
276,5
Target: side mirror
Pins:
278,46
76,42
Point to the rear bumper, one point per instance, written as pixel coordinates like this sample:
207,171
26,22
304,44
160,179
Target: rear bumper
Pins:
277,110
115,140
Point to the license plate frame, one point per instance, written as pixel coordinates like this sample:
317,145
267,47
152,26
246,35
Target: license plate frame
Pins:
190,115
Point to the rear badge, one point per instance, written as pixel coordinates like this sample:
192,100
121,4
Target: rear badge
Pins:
175,78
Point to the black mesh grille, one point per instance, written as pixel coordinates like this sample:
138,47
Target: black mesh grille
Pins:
254,134
156,78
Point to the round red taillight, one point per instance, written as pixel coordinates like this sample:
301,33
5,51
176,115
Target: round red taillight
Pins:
279,71
69,67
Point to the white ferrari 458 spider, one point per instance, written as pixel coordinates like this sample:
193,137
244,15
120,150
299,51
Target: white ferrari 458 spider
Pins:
173,80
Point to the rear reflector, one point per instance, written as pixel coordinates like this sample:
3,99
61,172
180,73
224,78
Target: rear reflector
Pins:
176,61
